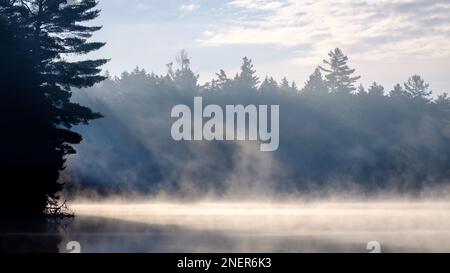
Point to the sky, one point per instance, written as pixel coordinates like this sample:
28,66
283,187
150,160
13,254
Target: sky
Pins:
386,40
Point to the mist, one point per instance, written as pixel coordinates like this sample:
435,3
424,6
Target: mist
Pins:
356,142
95,162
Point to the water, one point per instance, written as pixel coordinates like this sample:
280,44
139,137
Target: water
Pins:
259,227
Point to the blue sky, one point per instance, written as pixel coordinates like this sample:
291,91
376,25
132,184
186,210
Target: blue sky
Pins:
386,40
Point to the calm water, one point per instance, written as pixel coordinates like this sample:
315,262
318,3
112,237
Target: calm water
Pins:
259,227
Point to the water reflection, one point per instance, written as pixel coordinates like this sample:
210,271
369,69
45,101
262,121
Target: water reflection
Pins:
237,227
110,235
29,236
258,227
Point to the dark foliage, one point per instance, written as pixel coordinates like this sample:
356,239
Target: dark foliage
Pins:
36,109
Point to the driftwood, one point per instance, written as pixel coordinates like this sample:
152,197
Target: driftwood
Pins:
56,210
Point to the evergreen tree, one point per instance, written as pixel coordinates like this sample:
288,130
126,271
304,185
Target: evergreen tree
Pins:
339,76
186,81
376,90
247,78
269,85
399,92
443,98
361,90
294,87
417,87
284,83
222,82
443,103
286,88
45,32
315,84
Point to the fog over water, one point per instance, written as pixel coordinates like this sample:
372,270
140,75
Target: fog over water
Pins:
314,226
354,166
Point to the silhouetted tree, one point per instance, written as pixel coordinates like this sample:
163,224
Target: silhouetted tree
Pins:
315,84
269,85
294,87
443,99
399,92
417,87
339,76
284,83
184,78
222,81
287,88
361,91
247,79
443,104
44,32
376,90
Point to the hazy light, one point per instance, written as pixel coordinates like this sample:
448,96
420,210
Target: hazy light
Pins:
409,226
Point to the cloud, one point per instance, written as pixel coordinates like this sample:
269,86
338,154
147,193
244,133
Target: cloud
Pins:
189,7
368,29
258,4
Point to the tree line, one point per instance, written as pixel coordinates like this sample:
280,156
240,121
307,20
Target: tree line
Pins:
332,132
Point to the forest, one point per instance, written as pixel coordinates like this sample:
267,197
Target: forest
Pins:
335,134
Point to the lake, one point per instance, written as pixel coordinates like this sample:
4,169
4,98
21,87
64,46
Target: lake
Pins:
259,227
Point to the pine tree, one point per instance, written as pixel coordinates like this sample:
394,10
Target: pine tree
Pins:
339,76
361,91
294,87
399,92
286,88
222,82
222,77
417,87
443,103
315,84
284,83
376,90
186,81
49,31
269,85
247,78
46,32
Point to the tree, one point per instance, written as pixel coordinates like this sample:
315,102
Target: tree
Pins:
417,87
399,92
26,132
247,78
186,81
284,84
443,103
286,88
43,34
339,76
269,85
361,91
376,90
294,87
222,81
315,84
